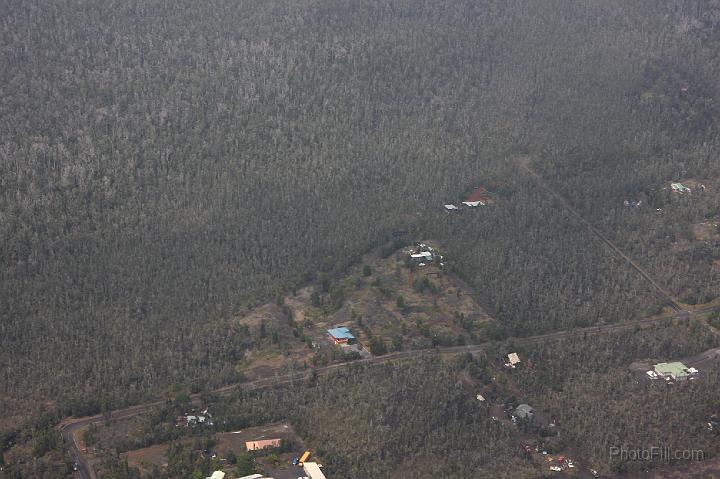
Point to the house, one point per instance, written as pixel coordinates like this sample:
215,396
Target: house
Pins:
676,371
217,475
451,208
523,411
341,335
312,470
262,444
480,398
422,257
680,188
473,204
204,419
513,360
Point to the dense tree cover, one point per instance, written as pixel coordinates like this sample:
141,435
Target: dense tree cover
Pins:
166,164
659,124
599,401
409,420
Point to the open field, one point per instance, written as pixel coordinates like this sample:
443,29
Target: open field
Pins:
147,458
405,306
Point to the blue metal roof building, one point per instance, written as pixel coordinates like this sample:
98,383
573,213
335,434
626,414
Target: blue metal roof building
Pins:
341,335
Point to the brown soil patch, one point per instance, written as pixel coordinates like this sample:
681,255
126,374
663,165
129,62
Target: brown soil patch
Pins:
147,458
706,231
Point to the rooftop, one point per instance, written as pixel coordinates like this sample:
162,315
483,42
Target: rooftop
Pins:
675,369
341,333
312,469
524,410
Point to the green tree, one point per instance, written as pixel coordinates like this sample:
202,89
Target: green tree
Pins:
377,346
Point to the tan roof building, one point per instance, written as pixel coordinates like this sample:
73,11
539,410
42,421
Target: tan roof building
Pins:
312,470
262,444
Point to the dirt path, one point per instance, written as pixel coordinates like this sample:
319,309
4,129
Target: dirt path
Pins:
524,163
85,470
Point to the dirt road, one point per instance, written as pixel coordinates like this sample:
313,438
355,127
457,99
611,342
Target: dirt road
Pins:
85,470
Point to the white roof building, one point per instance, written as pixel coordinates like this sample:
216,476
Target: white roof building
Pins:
217,475
513,359
472,204
451,207
312,469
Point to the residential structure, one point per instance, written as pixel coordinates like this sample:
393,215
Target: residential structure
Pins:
473,204
513,360
676,371
523,411
217,475
451,208
262,444
422,257
341,335
312,470
632,203
680,188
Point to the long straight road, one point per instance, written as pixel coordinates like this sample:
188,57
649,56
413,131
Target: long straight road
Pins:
671,301
70,426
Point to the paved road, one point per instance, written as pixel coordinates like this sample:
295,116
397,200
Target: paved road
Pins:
85,470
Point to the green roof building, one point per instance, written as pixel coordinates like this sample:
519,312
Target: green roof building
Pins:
675,370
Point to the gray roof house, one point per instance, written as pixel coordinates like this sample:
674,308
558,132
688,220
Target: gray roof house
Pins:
523,411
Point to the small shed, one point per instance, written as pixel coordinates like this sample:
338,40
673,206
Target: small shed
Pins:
451,208
513,360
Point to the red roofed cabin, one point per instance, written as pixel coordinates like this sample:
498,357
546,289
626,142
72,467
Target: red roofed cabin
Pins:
479,194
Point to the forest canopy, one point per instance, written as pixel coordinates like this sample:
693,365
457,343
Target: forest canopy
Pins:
166,165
